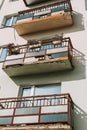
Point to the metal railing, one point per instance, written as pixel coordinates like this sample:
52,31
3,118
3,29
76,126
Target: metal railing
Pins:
78,56
46,10
36,109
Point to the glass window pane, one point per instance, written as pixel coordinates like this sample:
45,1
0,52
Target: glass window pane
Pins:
3,54
14,20
23,111
8,22
45,47
53,118
59,55
48,89
5,121
86,4
26,92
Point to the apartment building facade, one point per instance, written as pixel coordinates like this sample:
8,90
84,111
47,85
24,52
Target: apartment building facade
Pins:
43,64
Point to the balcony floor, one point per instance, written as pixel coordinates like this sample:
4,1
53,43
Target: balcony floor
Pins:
50,22
39,127
53,65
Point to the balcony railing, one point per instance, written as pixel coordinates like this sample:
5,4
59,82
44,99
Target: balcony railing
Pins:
42,18
40,53
45,109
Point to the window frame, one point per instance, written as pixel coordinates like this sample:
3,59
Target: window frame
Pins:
33,86
11,23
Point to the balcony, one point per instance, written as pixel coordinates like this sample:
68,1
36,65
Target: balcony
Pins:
51,16
36,57
48,109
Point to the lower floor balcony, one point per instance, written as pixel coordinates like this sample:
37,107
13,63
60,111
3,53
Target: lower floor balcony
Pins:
50,55
38,112
45,61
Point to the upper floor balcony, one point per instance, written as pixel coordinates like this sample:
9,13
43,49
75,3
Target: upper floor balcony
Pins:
38,56
37,110
50,16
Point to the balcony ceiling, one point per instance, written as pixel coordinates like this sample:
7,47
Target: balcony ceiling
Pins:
31,2
59,64
37,25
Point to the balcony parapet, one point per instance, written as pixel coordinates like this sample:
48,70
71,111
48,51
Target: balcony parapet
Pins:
46,109
40,18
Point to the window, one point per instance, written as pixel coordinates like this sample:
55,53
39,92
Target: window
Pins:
47,89
86,4
39,90
9,21
3,53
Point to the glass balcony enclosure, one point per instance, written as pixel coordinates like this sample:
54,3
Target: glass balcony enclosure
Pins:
39,56
50,16
46,109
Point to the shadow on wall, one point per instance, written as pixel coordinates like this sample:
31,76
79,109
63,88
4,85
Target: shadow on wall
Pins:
78,73
79,70
78,22
80,118
78,25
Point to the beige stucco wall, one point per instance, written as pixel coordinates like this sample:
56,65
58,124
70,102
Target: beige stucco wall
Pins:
73,82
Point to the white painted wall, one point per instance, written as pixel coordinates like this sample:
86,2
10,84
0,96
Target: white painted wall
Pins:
7,87
73,82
